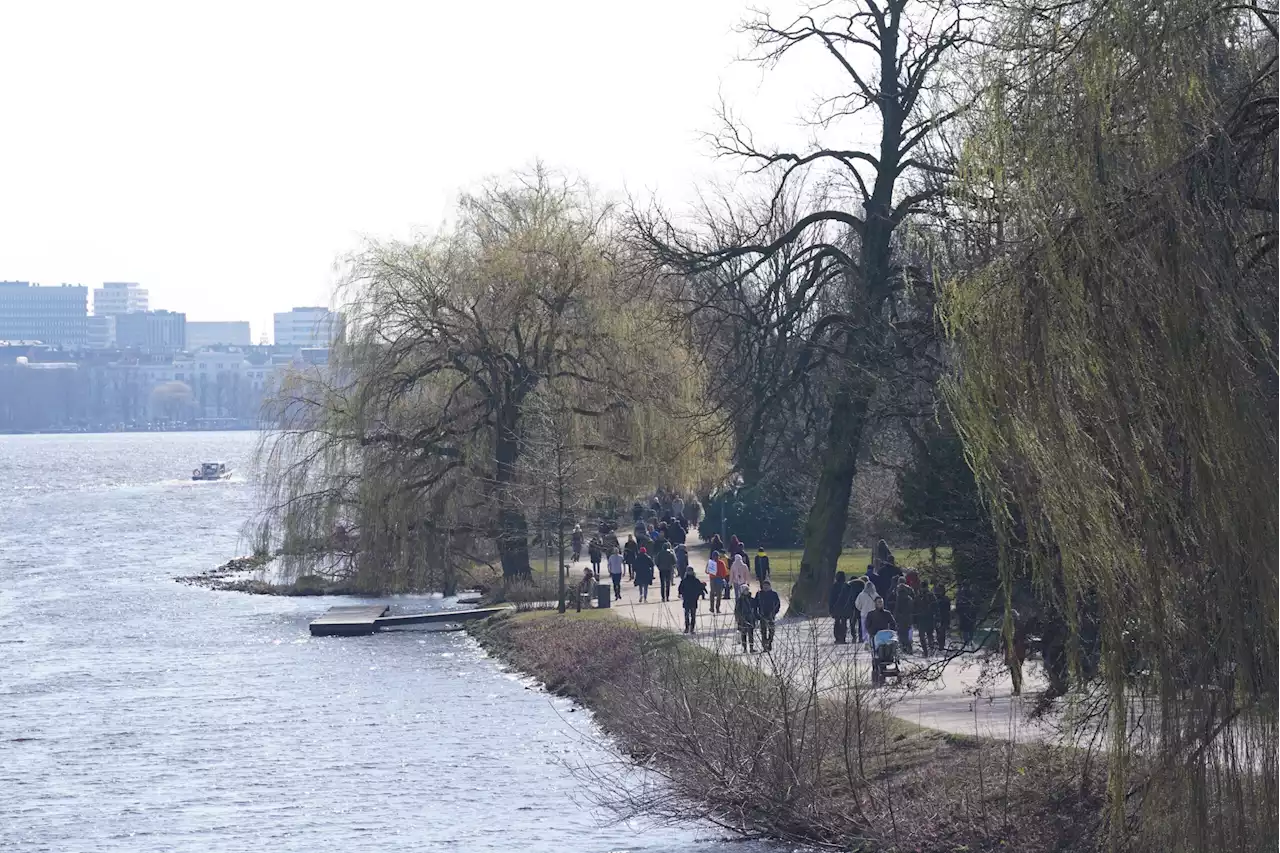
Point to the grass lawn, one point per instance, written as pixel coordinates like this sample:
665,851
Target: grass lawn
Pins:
784,564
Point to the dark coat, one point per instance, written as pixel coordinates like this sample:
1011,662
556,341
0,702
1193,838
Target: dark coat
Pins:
745,612
839,604
690,590
768,604
880,620
629,551
855,589
666,562
904,606
942,607
926,608
682,557
644,569
595,553
762,566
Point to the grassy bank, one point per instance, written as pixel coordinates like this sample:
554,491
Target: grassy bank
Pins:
765,752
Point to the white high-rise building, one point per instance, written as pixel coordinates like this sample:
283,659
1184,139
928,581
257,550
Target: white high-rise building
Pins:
307,327
119,297
53,315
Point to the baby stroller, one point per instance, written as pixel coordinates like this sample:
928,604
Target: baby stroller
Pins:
884,657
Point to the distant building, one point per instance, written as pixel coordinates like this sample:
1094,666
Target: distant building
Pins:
54,315
102,331
119,297
230,333
307,327
152,331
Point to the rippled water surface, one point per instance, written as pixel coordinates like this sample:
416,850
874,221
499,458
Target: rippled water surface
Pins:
138,714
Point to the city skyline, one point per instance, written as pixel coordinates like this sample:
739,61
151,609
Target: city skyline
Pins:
131,103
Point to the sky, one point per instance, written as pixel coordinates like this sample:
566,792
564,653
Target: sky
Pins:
226,155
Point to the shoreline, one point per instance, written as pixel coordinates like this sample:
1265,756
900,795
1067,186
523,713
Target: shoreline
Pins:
756,753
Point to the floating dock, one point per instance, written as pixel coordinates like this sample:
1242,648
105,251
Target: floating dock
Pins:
356,620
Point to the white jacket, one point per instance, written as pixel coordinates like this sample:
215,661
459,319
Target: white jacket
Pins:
866,599
739,574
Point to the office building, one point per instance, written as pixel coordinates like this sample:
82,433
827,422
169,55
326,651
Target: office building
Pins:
119,297
152,331
102,331
228,333
53,315
307,327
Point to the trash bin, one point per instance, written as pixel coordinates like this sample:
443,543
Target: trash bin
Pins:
604,595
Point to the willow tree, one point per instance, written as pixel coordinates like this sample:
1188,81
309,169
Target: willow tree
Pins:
413,438
1117,381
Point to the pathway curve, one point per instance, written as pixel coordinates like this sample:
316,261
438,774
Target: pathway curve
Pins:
960,699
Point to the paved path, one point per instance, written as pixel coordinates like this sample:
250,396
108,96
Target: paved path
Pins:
961,698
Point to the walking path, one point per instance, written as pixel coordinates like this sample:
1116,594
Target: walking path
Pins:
961,699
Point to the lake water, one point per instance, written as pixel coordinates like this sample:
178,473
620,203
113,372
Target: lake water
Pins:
138,714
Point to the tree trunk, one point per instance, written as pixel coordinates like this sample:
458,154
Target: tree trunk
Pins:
513,530
829,515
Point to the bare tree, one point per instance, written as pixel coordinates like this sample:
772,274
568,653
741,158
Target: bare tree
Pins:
890,60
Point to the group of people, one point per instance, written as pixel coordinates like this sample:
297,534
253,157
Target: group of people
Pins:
750,611
888,598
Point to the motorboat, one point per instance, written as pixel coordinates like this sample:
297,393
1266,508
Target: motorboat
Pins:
212,471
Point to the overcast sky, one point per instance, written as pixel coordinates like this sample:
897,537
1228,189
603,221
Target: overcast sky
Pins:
225,155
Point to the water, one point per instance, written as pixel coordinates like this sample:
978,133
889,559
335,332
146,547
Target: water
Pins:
138,714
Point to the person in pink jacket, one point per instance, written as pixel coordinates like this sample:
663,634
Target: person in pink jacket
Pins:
739,574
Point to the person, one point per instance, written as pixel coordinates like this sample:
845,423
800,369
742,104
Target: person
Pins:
880,619
644,574
666,561
865,603
596,552
641,529
736,547
926,610
838,607
768,604
713,569
682,559
966,614
762,565
637,511
586,586
716,543
690,590
575,539
913,580
943,620
617,579
904,613
739,574
677,506
878,579
856,585
722,578
629,554
883,557
746,615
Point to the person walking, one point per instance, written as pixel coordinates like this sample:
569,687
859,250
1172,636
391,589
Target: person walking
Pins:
682,559
865,603
745,613
617,578
768,604
644,574
762,566
856,586
838,607
677,506
690,590
575,540
629,554
943,620
739,574
880,619
904,614
716,544
666,561
722,577
926,610
595,552
713,569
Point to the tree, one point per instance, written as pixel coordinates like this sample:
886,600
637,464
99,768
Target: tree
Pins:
450,339
889,57
1115,381
172,400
